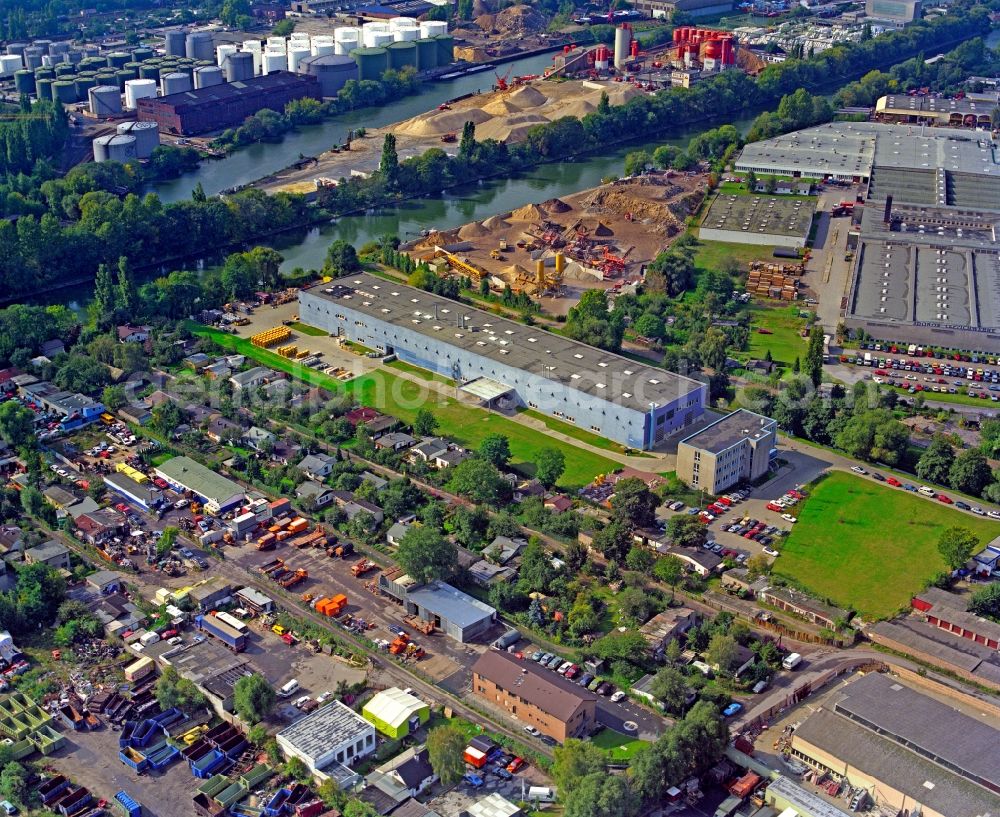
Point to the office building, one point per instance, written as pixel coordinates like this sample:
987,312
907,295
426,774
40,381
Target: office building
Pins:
736,448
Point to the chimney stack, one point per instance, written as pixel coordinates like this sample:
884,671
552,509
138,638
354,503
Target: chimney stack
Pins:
887,215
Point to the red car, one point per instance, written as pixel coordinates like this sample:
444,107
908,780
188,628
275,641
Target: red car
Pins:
774,506
723,501
515,765
797,494
895,483
947,500
121,507
160,483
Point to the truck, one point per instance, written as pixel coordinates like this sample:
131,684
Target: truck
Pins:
362,567
149,638
126,805
508,639
138,670
298,525
235,640
295,578
266,542
231,620
791,661
270,567
332,606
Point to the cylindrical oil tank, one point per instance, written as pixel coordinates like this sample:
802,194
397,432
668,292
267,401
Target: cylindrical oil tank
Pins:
141,53
104,100
345,40
296,53
427,58
198,46
106,78
401,22
147,136
136,89
16,48
300,38
115,148
623,38
83,85
207,76
63,70
239,66
149,70
45,73
322,46
378,39
175,43
433,28
93,64
10,64
131,68
273,61
446,49
32,57
24,81
223,52
61,47
277,44
116,59
43,88
406,35
175,83
64,91
50,60
75,57
123,76
43,45
402,55
372,62
331,70
90,50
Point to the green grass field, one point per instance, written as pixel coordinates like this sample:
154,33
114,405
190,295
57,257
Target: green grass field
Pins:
402,398
618,746
867,546
784,342
711,254
306,329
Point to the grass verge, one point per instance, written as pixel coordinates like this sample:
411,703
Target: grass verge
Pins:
869,547
618,746
784,341
306,329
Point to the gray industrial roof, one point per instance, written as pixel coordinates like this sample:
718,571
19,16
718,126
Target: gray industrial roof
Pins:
451,604
729,430
773,215
923,781
802,800
196,477
916,105
928,727
328,726
545,355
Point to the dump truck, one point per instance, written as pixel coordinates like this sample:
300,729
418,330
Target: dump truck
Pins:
270,567
362,567
298,576
398,646
341,551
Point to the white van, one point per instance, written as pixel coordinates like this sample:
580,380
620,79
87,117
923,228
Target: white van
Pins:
791,661
149,638
541,794
289,689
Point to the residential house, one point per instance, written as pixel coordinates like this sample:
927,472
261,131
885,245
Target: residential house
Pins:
987,561
450,458
133,334
220,429
314,494
51,553
59,498
362,414
502,549
258,438
316,466
285,452
526,489
698,560
558,503
396,441
219,370
664,627
104,582
52,347
395,533
427,449
197,361
411,770
11,539
374,479
486,574
252,378
196,413
98,527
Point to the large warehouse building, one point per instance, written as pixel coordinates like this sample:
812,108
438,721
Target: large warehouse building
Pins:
912,753
763,220
506,363
934,110
225,105
213,490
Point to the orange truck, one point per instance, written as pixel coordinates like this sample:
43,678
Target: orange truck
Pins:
362,567
266,542
298,525
282,535
295,578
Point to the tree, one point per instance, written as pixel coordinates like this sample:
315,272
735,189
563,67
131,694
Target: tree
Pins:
467,144
620,645
105,300
986,601
126,297
574,760
480,481
722,653
235,12
388,166
970,473
636,162
635,606
874,435
614,540
758,565
296,769
935,463
669,569
239,278
687,531
669,686
956,546
639,559
425,554
445,751
549,466
166,540
425,423
633,503
253,698
814,356
600,795
166,417
173,690
341,258
536,567
17,424
14,782
591,322
495,449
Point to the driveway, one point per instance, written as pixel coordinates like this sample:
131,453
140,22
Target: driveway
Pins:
615,715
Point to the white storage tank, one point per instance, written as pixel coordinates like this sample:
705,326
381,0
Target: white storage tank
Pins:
205,76
115,148
253,47
136,89
198,46
104,100
147,136
274,61
433,28
296,53
406,35
277,44
378,39
322,46
345,40
223,52
174,83
9,63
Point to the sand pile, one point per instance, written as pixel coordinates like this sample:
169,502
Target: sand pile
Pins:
441,122
556,206
615,201
511,128
494,223
500,107
486,22
513,272
528,96
473,230
530,212
578,108
518,20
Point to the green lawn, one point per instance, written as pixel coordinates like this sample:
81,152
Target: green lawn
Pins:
306,329
416,371
868,546
711,254
575,432
618,746
784,342
402,398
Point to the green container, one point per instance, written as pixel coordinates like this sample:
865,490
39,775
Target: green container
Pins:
84,84
427,53
402,55
149,71
116,59
143,53
446,49
43,88
372,62
65,69
44,73
24,81
133,67
123,77
93,64
106,77
64,91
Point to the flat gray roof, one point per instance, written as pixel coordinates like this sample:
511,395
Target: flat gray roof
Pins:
897,104
729,430
773,215
329,725
546,355
451,604
802,800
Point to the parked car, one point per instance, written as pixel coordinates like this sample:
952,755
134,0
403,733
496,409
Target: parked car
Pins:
604,688
473,779
947,500
515,765
965,506
502,773
548,741
555,662
857,469
585,679
732,709
532,731
771,551
789,518
895,483
564,667
877,477
593,685
618,696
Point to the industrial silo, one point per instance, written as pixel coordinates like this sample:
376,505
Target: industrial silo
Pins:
446,49
63,70
116,59
16,48
239,67
147,136
433,28
93,64
296,53
104,100
623,39
331,70
175,83
277,44
141,53
300,39
402,55
83,85
254,49
406,35
132,68
108,77
346,39
136,89
115,148
64,91
427,50
61,47
33,57
10,64
223,51
24,81
43,45
207,76
372,62
121,77
175,43
75,57
370,34
43,88
198,46
150,70
322,46
273,61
